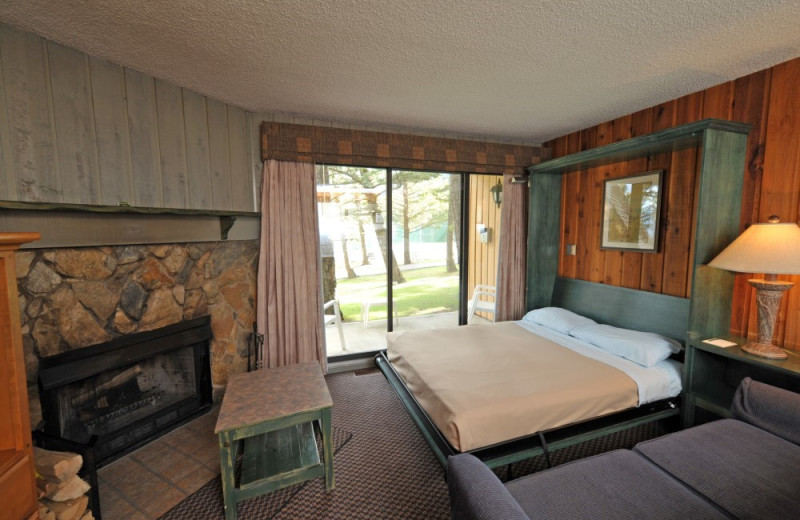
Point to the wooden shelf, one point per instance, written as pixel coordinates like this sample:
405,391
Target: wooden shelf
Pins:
86,208
714,373
278,453
789,366
684,136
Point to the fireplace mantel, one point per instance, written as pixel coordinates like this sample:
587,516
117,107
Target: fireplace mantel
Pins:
79,225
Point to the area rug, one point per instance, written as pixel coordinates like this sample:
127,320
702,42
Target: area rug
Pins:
385,471
207,503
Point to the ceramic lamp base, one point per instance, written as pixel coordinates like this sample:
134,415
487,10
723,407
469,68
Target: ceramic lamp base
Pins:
768,302
765,350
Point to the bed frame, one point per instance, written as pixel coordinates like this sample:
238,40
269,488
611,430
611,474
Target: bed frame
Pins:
639,310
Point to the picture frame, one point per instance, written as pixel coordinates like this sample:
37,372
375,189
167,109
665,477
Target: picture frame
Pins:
631,212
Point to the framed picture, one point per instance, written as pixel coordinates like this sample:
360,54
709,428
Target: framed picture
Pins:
631,208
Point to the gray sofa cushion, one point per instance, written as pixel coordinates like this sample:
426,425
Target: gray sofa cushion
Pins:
477,494
744,470
619,485
772,409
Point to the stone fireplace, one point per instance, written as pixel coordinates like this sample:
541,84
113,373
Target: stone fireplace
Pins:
72,298
119,395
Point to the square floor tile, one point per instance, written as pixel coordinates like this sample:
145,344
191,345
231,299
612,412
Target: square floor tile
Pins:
195,480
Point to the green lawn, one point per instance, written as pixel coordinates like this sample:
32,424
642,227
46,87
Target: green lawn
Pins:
425,291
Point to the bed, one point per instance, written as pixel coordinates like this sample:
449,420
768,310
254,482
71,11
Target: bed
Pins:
461,401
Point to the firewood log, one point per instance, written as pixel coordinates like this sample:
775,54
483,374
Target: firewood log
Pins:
69,489
69,510
56,466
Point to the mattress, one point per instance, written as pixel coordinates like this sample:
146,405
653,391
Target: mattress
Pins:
486,384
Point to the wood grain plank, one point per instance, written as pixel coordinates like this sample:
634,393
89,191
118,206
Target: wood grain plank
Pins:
493,224
8,177
641,124
111,131
612,268
74,125
780,190
558,148
219,155
257,165
172,145
718,101
680,200
751,98
28,103
592,205
143,132
472,247
663,117
240,174
571,207
198,162
693,99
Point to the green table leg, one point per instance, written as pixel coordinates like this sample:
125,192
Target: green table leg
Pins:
327,447
227,461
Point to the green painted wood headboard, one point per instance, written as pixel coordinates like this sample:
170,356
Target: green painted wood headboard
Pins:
621,307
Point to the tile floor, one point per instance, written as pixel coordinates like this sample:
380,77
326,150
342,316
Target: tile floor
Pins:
148,482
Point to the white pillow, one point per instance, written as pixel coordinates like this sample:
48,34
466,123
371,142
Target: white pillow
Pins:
644,348
558,319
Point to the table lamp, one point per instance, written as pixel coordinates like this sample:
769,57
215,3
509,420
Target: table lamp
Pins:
771,248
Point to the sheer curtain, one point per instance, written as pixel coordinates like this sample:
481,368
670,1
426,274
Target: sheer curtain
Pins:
289,306
512,257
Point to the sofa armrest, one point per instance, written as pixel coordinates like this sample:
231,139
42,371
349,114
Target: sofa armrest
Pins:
477,494
772,409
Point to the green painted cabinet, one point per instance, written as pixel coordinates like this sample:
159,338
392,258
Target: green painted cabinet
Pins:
721,145
713,374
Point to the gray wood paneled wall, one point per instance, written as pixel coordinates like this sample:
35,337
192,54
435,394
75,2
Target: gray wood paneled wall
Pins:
78,129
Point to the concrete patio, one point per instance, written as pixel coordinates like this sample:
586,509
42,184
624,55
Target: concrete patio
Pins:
358,338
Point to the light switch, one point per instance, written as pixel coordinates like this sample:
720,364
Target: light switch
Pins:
571,249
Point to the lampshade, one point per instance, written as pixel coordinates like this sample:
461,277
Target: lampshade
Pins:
769,248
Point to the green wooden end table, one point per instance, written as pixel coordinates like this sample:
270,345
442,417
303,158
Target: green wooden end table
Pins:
268,416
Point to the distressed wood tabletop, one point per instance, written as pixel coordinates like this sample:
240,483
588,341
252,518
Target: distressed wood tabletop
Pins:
264,395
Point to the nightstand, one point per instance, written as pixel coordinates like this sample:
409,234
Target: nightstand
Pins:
712,375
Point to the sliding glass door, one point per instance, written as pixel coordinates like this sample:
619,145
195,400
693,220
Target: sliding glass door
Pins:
393,246
426,220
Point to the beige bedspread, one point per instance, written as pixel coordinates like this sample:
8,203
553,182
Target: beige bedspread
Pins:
486,384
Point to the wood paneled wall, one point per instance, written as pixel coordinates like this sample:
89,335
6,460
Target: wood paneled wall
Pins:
769,100
78,129
482,257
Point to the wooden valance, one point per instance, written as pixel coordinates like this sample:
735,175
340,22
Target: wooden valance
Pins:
341,146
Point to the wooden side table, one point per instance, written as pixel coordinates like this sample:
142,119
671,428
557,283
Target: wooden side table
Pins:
713,373
268,416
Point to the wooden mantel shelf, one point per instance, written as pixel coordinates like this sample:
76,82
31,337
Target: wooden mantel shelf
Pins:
86,208
79,225
683,136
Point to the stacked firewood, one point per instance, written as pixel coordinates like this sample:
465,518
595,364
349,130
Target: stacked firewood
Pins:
62,493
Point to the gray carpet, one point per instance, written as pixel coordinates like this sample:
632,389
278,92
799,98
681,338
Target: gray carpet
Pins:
386,470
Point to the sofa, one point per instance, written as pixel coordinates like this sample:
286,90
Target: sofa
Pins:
744,467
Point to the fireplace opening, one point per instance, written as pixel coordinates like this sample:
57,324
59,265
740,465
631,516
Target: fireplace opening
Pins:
119,395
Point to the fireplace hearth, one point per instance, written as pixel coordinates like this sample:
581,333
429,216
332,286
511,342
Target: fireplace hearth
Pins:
119,395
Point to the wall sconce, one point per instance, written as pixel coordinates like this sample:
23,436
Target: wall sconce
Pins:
497,193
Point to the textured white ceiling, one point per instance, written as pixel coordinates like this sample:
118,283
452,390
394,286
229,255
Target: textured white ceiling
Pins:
522,70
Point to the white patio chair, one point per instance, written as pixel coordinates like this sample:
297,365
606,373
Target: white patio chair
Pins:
366,304
336,318
485,304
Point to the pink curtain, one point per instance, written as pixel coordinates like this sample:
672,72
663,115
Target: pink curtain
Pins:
512,257
289,306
